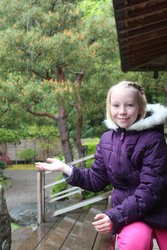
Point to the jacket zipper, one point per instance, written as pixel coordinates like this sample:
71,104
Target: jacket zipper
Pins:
120,146
122,136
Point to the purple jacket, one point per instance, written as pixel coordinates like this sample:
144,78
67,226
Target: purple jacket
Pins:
134,161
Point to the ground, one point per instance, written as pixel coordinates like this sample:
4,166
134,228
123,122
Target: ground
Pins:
21,196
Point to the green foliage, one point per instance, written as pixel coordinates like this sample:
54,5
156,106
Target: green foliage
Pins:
88,194
5,182
14,226
91,144
33,131
59,187
27,154
93,7
2,164
2,167
24,166
43,132
11,135
46,37
47,136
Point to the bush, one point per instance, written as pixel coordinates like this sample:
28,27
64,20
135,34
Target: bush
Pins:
27,154
59,187
1,173
91,145
2,167
2,164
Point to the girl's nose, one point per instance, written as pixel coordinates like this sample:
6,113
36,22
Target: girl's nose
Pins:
122,110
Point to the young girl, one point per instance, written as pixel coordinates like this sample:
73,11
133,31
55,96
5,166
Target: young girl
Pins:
132,156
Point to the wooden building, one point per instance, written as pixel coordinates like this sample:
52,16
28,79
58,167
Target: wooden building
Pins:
142,34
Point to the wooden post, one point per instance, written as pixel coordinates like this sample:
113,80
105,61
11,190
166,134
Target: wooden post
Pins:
80,194
40,196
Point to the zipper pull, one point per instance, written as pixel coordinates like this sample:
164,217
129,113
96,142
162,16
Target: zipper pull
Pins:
122,136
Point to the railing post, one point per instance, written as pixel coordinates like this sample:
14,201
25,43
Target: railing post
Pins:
40,196
109,202
80,194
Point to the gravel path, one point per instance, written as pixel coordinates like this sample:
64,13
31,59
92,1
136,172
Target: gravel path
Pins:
24,187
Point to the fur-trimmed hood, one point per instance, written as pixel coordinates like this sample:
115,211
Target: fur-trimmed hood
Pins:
158,116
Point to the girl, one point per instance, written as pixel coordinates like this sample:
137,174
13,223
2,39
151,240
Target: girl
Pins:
132,156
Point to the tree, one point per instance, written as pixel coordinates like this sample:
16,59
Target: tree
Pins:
45,56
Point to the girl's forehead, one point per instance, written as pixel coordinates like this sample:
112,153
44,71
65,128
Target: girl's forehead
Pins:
124,91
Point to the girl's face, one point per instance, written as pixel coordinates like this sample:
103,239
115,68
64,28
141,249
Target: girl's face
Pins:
124,107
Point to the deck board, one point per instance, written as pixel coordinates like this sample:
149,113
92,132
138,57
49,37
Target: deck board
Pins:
31,242
59,233
74,231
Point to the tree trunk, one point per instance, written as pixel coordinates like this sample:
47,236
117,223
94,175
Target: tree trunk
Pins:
64,137
77,138
62,122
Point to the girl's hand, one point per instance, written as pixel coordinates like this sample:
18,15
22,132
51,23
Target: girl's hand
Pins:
54,165
103,224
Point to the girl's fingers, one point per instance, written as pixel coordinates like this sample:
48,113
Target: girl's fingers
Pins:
102,224
103,230
50,160
99,216
39,165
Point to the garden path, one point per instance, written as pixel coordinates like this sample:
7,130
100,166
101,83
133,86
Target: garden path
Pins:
24,187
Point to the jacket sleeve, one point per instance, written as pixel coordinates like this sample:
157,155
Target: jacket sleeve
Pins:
94,179
153,182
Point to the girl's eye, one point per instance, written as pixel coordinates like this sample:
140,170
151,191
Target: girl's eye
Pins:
115,105
130,105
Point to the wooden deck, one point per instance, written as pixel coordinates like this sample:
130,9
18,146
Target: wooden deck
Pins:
74,231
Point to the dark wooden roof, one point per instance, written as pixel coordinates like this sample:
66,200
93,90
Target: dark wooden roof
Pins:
142,34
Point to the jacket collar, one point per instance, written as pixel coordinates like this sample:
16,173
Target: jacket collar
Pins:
157,117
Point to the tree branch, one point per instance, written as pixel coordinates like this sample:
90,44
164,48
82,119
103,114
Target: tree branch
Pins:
42,114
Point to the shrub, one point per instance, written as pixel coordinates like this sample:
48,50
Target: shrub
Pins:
1,173
59,187
2,167
91,145
27,154
2,164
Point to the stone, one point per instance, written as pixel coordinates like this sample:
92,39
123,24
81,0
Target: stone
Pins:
5,223
24,214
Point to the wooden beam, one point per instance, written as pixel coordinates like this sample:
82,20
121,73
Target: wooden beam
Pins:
142,13
135,42
131,4
143,46
145,22
127,64
144,35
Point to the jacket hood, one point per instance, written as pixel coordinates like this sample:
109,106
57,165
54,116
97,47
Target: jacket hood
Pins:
158,116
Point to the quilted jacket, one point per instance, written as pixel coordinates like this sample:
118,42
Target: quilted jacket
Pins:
134,161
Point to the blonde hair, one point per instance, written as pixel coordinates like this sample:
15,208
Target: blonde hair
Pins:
141,98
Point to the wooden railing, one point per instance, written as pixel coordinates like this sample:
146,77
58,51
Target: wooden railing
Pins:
41,190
